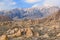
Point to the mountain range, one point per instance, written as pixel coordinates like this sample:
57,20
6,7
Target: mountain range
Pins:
29,13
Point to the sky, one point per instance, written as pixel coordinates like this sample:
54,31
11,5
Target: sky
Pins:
11,4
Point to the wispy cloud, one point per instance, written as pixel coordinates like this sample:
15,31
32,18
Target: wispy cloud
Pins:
48,3
32,1
13,3
1,4
9,4
36,5
6,4
52,3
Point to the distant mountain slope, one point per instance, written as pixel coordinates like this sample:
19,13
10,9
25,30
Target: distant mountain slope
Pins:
52,19
50,10
5,18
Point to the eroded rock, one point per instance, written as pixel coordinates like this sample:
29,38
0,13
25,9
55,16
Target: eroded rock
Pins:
58,35
29,32
4,37
45,36
18,33
12,31
36,34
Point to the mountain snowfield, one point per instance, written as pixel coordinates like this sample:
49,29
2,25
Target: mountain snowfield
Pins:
30,13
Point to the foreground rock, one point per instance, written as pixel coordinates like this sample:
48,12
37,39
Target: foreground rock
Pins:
29,32
17,34
3,37
58,35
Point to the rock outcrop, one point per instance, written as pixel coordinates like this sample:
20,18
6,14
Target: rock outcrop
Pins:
3,37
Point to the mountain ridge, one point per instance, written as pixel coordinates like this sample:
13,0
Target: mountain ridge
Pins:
31,13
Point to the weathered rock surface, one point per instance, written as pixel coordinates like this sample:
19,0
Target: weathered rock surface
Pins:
17,34
29,32
3,37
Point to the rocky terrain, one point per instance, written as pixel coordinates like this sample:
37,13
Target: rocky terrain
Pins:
47,28
5,18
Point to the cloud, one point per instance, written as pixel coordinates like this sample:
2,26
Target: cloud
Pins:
14,3
47,3
52,3
32,1
1,3
35,5
6,4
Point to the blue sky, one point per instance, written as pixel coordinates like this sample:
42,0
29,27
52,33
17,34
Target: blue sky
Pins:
11,4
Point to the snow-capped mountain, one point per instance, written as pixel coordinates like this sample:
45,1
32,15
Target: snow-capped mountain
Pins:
37,12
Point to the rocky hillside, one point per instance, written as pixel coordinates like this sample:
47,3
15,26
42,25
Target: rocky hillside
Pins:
54,17
5,18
